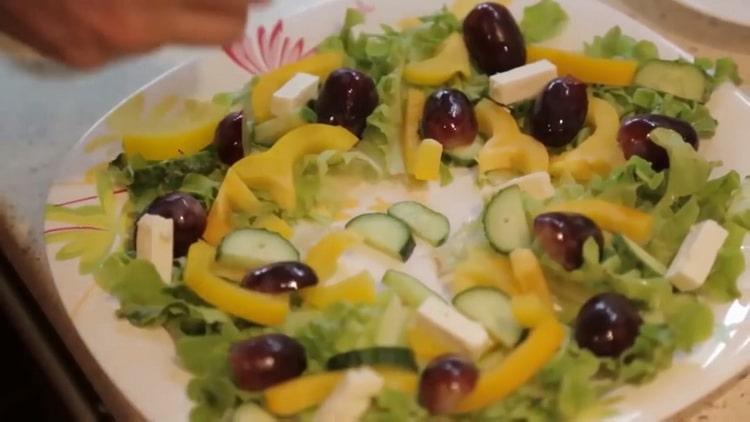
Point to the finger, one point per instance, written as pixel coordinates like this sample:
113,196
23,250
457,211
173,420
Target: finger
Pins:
231,7
195,28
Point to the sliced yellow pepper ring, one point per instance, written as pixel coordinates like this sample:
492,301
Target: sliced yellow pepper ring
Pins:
598,154
233,196
529,310
588,69
508,148
174,128
451,59
272,171
324,256
296,395
611,217
529,275
257,307
359,288
320,64
486,269
517,368
427,160
415,100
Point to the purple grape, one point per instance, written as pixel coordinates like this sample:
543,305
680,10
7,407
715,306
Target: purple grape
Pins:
449,118
563,235
347,98
280,277
445,381
188,216
263,361
228,138
493,39
607,324
559,111
634,137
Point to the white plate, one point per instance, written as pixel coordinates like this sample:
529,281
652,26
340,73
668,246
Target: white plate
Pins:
142,362
735,11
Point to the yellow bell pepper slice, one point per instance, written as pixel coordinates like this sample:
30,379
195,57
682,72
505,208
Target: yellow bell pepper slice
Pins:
529,275
529,310
508,148
598,154
324,256
588,69
257,307
611,217
427,160
272,171
233,196
174,128
298,394
274,223
451,59
359,288
517,368
320,64
461,8
484,268
415,100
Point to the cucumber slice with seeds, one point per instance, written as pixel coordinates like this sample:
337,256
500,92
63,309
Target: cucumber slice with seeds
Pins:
428,224
412,291
385,233
492,309
401,357
684,80
505,223
252,248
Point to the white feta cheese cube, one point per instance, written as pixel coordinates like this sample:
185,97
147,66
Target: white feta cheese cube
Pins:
351,397
442,320
154,243
522,82
538,185
294,94
690,268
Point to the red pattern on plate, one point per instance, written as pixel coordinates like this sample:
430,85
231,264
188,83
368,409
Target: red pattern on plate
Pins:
270,50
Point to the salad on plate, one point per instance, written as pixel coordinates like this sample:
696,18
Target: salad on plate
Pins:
440,219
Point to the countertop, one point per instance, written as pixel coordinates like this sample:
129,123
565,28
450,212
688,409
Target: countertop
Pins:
46,109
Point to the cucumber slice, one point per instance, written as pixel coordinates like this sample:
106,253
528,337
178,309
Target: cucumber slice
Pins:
684,80
492,309
385,233
428,224
252,248
251,412
464,156
505,222
410,290
391,325
401,357
268,132
641,255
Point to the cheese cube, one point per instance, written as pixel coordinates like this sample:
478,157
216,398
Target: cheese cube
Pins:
522,82
294,94
538,185
440,319
697,254
154,243
351,397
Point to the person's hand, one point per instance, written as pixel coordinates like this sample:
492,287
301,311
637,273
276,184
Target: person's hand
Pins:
88,33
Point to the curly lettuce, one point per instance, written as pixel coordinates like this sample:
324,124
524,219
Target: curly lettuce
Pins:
542,21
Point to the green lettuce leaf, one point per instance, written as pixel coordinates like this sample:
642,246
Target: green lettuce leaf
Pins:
615,44
739,207
722,70
688,170
730,264
337,329
690,321
147,180
392,405
542,21
319,180
382,136
717,195
634,100
670,228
